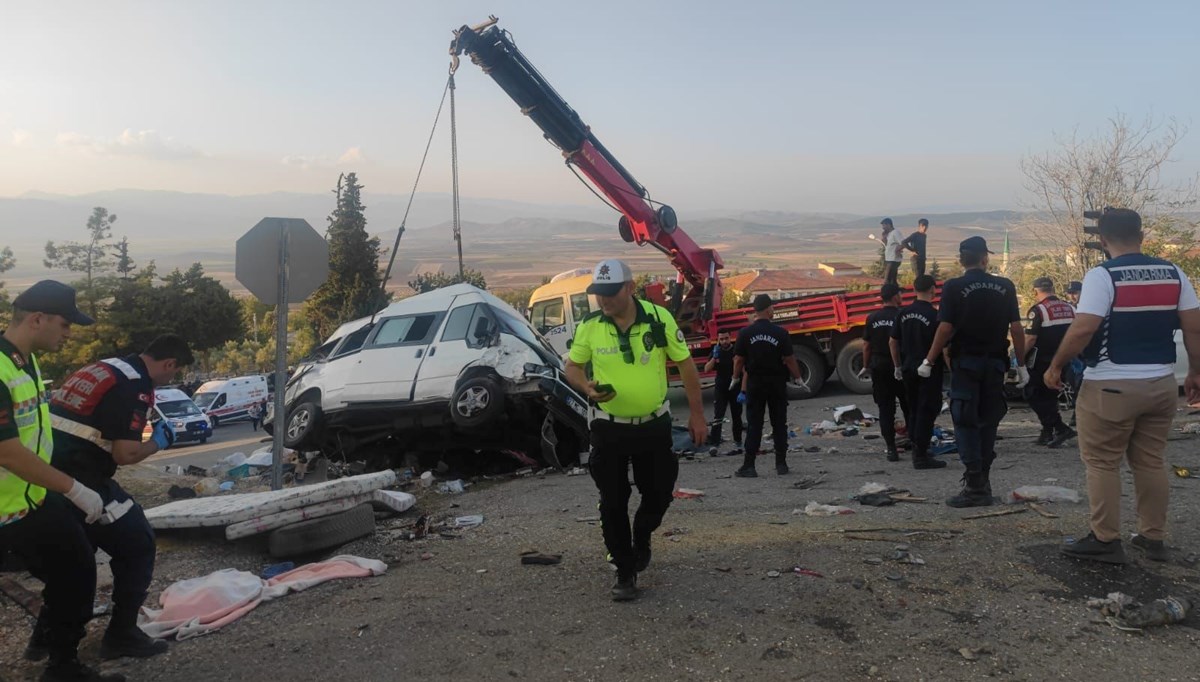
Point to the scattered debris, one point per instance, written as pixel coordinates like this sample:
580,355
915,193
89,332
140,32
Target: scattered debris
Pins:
1043,493
1184,472
800,570
392,500
814,508
468,521
871,488
178,492
1190,427
1002,512
724,569
426,556
847,414
813,448
876,500
276,569
1111,605
773,574
809,482
577,471
688,494
905,496
452,487
973,654
873,560
1042,511
539,559
587,519
895,577
1123,613
675,531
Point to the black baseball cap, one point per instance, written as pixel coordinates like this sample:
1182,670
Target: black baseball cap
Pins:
52,298
973,245
762,302
1043,284
1074,287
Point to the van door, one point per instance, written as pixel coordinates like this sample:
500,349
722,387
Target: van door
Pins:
549,317
384,369
454,348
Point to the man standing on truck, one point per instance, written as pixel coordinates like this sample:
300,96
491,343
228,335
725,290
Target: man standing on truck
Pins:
893,251
628,344
98,416
763,358
886,386
978,313
725,393
912,335
1048,322
916,243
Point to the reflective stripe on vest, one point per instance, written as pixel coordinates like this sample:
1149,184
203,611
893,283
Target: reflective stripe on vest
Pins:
31,412
88,433
123,367
1141,323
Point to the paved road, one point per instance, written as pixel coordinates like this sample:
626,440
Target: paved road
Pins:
226,439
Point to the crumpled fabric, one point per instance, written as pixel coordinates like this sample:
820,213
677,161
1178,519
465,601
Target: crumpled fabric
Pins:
199,606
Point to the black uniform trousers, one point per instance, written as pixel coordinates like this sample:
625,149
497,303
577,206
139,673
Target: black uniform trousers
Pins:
766,396
722,398
924,404
918,266
887,392
655,467
891,272
1043,400
52,543
977,405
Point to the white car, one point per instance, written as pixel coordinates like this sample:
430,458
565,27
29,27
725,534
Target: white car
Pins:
451,368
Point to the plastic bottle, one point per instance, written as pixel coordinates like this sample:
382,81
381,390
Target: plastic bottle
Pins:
1158,612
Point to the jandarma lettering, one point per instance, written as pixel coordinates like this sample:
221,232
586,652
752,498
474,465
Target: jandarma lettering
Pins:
881,323
763,337
1147,274
914,316
994,286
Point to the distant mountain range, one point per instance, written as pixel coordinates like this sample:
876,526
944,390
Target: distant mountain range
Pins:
513,243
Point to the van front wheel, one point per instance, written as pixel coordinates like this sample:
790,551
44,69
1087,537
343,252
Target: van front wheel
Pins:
476,402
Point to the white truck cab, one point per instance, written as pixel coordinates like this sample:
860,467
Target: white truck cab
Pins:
556,308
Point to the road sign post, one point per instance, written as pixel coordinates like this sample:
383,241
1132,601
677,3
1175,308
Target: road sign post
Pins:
282,260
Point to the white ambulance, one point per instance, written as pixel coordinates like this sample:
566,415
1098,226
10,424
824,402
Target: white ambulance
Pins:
228,400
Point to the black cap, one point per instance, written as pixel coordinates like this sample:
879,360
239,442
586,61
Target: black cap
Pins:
1043,284
1074,287
886,221
888,291
762,302
973,245
1121,223
52,298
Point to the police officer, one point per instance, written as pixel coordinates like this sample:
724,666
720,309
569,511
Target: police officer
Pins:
763,358
1128,312
724,395
36,521
628,344
912,336
1048,322
886,387
99,415
977,314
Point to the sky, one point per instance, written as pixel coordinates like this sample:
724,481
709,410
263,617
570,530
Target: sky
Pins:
804,106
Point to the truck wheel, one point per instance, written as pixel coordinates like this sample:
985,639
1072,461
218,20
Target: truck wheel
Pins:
812,373
302,423
315,535
216,421
849,364
476,402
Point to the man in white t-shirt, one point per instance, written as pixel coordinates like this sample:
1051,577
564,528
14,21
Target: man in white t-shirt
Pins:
893,250
1124,326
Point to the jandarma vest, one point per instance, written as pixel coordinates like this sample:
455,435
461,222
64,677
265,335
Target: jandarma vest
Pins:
1140,326
31,411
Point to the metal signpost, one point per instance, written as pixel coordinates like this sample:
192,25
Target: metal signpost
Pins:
281,261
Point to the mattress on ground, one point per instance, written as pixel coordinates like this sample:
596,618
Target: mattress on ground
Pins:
223,510
262,524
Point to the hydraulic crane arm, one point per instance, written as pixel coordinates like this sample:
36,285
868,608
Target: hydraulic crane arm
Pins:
494,51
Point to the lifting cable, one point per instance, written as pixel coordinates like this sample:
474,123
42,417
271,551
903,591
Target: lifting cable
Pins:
400,233
454,174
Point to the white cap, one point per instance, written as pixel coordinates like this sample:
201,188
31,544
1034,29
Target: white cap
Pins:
609,276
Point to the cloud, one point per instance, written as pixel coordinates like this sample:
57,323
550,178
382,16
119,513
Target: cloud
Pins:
146,144
353,155
21,138
305,162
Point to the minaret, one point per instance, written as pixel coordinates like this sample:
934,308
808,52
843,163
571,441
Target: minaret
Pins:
1004,258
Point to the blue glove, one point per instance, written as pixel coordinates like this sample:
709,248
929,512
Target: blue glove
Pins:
163,435
716,352
742,398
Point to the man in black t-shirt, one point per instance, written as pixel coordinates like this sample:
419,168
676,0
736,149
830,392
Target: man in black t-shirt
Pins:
724,395
763,358
886,389
916,243
978,313
912,335
1049,320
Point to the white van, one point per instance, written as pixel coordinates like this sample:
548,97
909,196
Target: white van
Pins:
176,407
230,400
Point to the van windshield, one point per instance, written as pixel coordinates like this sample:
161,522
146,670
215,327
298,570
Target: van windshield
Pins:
203,400
178,408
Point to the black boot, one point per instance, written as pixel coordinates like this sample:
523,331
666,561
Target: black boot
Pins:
124,638
39,641
892,455
1062,434
1045,436
70,669
747,470
625,588
641,554
922,460
974,492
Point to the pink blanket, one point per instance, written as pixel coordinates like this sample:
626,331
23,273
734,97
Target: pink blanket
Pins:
198,606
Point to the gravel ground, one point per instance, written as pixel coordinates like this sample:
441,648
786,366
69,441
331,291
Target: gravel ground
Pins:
994,598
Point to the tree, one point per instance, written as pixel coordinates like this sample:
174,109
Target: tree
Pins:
90,257
354,287
877,267
124,264
436,280
1122,167
7,262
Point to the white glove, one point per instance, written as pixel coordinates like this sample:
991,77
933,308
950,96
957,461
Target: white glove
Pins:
734,384
898,374
925,370
1022,376
87,500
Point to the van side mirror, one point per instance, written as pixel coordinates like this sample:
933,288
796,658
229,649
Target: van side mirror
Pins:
483,329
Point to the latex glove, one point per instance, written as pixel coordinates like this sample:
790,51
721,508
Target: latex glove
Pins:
864,374
1022,376
87,500
925,370
742,398
734,384
899,375
163,435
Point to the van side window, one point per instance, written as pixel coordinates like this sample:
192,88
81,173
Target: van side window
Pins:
407,329
546,315
354,341
580,307
220,401
459,324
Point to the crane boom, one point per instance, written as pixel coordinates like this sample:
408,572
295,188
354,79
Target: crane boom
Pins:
641,222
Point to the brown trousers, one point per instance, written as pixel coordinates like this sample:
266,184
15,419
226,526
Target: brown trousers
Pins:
1126,419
